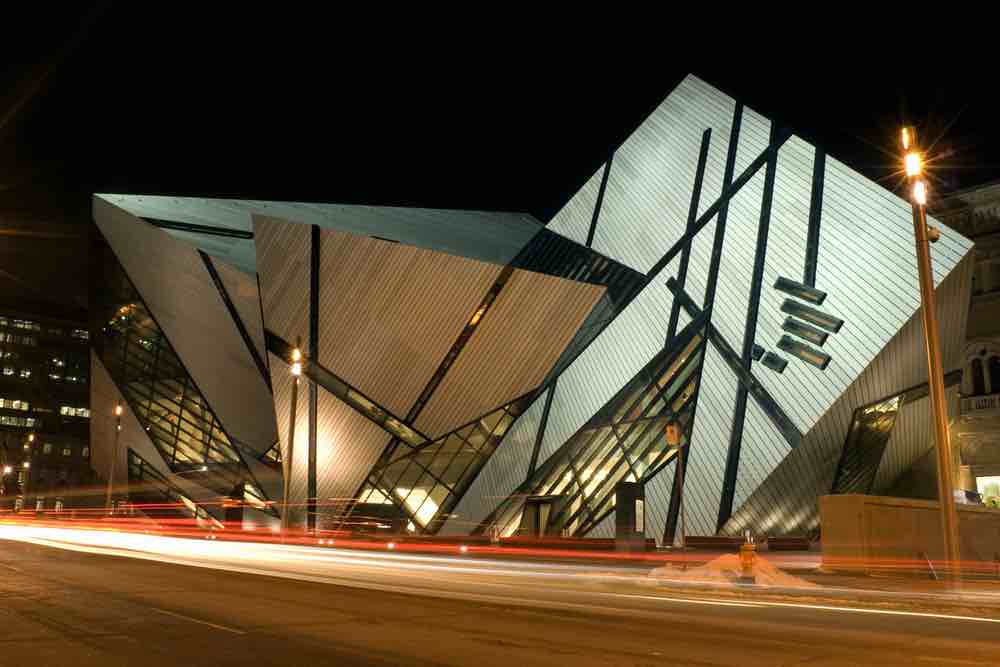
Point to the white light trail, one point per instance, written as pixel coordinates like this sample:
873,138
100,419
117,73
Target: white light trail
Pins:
439,576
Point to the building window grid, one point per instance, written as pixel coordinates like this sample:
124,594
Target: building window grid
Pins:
14,404
442,489
673,379
175,414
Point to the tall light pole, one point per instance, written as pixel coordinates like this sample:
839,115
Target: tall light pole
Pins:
925,235
114,456
26,466
296,368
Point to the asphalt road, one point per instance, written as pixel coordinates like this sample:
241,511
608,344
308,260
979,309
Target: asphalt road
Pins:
66,607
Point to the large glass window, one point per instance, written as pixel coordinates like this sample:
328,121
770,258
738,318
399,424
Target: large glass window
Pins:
151,376
427,481
624,441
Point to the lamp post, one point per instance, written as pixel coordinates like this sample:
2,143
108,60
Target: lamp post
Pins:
26,466
296,369
114,455
924,236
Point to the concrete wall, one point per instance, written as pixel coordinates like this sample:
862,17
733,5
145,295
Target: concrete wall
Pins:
877,532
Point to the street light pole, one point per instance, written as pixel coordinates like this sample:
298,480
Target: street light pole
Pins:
296,368
26,467
114,456
924,236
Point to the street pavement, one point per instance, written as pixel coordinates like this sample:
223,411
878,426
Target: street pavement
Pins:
68,601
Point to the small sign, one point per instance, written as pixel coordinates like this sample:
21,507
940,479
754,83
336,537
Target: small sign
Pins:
640,515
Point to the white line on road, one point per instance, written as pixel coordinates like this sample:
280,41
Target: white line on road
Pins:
198,620
858,610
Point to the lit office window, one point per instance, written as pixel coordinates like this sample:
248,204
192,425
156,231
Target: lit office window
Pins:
47,448
67,451
13,404
70,411
82,334
7,370
85,451
25,373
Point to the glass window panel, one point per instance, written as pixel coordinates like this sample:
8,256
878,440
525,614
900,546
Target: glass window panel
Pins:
490,421
457,467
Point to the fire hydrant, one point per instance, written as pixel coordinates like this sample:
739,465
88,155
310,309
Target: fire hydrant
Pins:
748,554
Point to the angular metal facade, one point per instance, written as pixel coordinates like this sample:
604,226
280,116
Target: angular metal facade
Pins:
457,362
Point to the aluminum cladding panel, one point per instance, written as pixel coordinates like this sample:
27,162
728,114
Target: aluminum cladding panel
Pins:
281,382
182,297
494,237
518,340
104,396
283,252
787,501
503,473
347,446
573,220
242,291
389,313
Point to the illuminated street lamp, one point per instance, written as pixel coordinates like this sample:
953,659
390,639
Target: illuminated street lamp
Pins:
26,466
925,235
286,460
114,455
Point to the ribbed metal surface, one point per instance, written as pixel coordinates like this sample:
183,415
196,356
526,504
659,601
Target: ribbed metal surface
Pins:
763,449
649,187
573,220
242,290
487,236
180,294
530,323
709,445
347,446
104,396
605,528
281,382
614,357
389,313
658,492
866,265
787,501
501,475
911,438
283,269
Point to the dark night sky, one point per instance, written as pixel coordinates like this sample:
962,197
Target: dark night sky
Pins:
257,106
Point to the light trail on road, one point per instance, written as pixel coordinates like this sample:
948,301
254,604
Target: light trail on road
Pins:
607,586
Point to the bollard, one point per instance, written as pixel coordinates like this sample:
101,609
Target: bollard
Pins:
748,554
